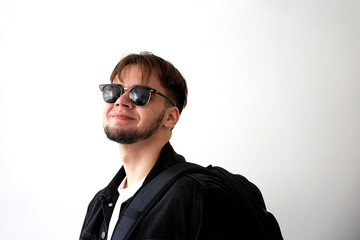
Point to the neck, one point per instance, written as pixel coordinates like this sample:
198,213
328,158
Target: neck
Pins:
139,158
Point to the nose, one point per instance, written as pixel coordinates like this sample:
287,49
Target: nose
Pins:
124,100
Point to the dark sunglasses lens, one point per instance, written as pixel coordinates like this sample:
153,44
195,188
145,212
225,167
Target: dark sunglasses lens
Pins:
139,96
111,93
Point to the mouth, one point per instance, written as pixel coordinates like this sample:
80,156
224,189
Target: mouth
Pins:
121,116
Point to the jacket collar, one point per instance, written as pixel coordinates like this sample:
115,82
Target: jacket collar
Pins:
167,158
113,186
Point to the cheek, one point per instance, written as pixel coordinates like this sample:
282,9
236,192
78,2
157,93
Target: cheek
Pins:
150,115
107,109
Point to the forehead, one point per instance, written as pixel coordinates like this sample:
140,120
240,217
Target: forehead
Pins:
136,75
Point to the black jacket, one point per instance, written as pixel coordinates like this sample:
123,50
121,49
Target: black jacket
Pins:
195,207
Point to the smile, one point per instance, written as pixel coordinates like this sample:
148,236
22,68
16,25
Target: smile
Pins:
121,116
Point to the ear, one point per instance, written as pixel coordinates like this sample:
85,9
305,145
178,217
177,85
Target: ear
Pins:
171,117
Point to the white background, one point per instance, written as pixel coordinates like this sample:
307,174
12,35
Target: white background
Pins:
273,95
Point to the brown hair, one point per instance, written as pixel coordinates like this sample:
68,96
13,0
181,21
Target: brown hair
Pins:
170,78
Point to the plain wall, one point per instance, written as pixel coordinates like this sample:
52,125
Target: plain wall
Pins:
273,95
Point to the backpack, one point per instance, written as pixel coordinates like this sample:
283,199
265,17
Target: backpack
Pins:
262,224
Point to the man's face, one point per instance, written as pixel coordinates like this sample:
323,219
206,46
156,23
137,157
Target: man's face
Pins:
126,123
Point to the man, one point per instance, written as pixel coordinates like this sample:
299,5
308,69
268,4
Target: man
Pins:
143,105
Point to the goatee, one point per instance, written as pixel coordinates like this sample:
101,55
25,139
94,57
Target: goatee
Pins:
130,136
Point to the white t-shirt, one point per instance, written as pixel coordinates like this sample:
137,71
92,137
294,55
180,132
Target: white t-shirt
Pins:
125,194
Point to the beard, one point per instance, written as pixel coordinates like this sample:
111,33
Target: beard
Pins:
133,135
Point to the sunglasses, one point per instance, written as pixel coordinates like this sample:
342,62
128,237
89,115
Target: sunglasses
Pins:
139,95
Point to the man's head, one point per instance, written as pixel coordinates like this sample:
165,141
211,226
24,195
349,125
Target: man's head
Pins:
170,78
145,99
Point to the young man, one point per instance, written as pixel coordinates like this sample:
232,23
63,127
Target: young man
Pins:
143,105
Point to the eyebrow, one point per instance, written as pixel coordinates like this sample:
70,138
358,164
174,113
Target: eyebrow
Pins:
144,86
137,85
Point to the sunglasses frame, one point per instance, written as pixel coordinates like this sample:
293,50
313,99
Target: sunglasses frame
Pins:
151,90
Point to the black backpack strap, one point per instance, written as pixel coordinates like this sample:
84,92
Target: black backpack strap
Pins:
147,196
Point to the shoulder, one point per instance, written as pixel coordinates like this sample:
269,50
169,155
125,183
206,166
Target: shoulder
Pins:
199,187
